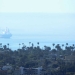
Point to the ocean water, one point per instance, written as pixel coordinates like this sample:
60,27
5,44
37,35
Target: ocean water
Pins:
15,40
45,28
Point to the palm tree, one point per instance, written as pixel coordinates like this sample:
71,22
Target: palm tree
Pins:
5,47
29,44
58,47
19,45
32,45
73,45
53,45
45,47
38,43
66,44
62,46
23,44
8,45
23,47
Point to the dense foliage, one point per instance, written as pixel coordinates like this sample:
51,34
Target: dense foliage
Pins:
52,60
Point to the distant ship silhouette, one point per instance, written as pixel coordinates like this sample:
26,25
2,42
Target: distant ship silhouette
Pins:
5,33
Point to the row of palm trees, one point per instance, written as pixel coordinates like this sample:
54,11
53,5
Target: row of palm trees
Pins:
1,45
54,45
62,45
32,45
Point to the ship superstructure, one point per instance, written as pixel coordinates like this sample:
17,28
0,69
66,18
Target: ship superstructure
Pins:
5,33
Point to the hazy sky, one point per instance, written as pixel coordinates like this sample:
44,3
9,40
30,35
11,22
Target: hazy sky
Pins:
48,6
36,23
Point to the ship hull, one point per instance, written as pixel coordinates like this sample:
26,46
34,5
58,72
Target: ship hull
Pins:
5,36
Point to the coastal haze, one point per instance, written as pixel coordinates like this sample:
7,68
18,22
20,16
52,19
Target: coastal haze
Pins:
38,21
37,37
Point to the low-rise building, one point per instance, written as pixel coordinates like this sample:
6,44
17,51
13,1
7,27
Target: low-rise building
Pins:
70,59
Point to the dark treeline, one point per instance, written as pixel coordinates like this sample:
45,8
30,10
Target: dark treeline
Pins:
59,60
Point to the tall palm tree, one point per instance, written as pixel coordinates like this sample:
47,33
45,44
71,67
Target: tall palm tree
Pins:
53,45
32,45
45,47
38,43
23,44
8,45
73,46
66,44
5,47
58,47
62,46
19,45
